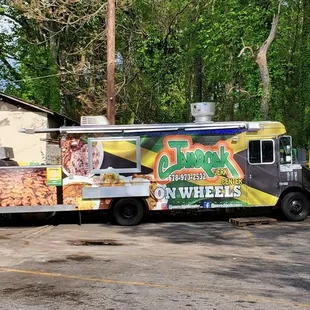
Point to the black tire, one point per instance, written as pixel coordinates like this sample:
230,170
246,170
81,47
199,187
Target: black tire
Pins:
295,206
128,211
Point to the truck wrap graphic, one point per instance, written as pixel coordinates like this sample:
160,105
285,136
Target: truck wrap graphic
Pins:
26,186
181,157
181,171
168,166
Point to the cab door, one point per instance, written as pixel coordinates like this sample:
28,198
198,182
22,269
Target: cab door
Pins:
262,173
290,170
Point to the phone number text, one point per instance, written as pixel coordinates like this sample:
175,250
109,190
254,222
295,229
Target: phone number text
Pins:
187,177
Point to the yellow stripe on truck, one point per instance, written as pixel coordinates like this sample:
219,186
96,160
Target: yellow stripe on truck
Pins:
239,142
148,158
121,149
255,197
127,151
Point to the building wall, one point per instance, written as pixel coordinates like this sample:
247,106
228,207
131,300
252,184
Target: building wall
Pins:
53,150
28,149
53,153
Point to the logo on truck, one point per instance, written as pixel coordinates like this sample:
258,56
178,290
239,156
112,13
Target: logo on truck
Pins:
181,159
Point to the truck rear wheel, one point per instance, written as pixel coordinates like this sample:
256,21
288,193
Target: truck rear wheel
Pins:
295,206
128,211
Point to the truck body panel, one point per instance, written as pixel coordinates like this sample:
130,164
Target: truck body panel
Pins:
169,166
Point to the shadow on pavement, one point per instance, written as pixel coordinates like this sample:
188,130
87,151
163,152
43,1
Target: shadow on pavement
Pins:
85,217
184,227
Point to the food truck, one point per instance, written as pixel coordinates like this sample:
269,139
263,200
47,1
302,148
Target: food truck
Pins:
134,169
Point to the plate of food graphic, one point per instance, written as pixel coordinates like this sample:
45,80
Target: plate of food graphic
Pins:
153,202
75,157
72,192
97,155
111,179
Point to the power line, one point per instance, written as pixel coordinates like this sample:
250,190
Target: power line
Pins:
59,74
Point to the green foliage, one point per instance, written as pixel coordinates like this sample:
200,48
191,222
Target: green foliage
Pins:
25,60
170,53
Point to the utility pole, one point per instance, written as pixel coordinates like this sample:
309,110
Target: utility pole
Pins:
111,61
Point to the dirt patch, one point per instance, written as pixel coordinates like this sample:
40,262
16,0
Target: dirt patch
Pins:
56,261
217,258
246,301
95,242
79,258
48,291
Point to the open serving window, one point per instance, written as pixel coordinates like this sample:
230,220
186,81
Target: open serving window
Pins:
114,154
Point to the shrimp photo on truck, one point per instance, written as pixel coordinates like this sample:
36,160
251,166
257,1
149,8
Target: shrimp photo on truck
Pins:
131,170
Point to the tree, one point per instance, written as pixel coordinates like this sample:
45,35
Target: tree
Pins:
304,76
72,33
153,53
260,58
25,61
169,53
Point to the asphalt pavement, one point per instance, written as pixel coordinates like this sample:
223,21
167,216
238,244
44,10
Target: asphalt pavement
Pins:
167,263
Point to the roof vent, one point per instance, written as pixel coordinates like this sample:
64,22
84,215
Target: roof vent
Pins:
94,120
203,111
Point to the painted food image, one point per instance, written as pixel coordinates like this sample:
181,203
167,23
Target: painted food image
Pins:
75,157
25,187
109,179
152,201
72,193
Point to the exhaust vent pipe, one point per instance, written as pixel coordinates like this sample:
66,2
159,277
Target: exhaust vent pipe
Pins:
203,111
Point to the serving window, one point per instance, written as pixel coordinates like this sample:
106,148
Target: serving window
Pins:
119,154
261,152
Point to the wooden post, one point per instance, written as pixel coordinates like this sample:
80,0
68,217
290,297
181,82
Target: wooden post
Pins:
111,61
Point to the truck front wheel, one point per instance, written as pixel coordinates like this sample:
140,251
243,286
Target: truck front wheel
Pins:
128,211
295,206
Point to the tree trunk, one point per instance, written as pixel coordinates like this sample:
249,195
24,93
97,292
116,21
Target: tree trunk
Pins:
111,62
261,61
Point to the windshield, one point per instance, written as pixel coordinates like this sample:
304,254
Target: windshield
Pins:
286,150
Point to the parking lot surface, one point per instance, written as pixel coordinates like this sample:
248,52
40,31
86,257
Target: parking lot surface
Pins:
164,264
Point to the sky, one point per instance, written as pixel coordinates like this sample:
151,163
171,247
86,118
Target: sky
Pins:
5,28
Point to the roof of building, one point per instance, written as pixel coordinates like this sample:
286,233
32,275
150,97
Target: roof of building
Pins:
28,105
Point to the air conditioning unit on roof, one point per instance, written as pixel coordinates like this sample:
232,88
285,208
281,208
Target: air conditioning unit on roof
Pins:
94,120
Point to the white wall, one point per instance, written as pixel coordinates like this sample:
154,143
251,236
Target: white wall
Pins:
28,149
